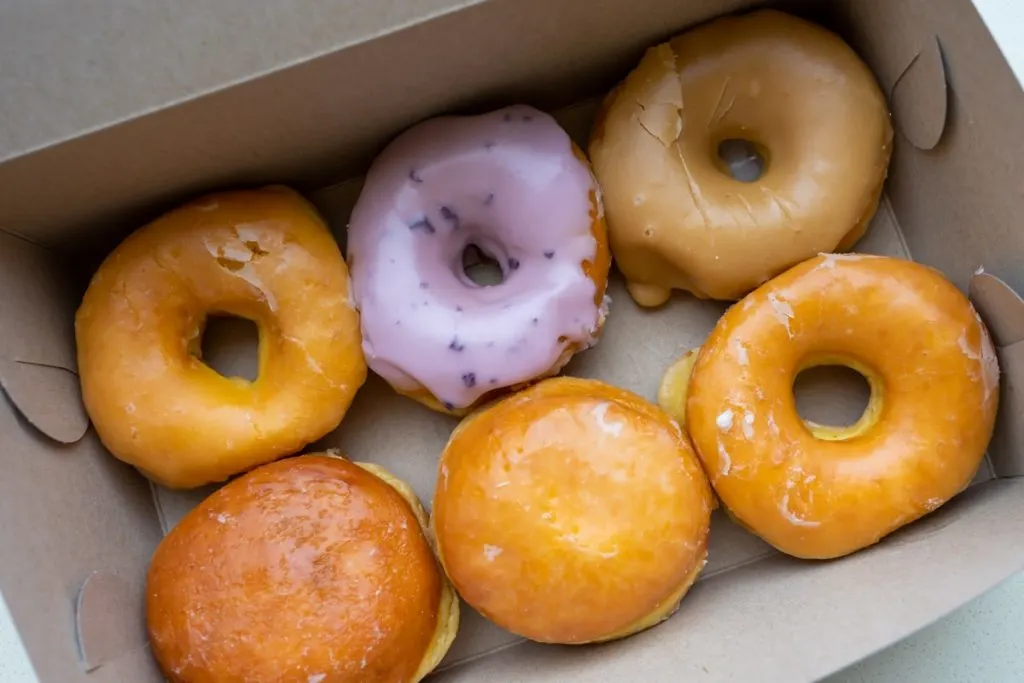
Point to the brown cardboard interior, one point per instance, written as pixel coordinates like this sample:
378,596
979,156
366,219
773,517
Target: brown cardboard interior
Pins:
82,526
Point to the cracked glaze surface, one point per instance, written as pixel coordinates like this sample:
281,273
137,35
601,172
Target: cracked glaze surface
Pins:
816,491
676,218
511,183
264,255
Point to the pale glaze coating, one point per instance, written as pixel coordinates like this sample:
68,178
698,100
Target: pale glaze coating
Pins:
821,492
265,255
676,218
510,182
307,569
571,512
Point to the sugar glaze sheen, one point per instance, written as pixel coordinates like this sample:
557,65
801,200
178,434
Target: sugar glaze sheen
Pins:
511,184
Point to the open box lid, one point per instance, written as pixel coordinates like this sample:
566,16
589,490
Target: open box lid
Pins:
285,116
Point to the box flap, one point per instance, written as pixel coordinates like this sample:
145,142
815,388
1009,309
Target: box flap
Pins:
1002,309
37,366
904,51
918,98
47,396
785,620
109,619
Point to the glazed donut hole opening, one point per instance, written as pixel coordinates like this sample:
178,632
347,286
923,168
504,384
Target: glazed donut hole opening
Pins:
835,400
479,267
742,160
229,345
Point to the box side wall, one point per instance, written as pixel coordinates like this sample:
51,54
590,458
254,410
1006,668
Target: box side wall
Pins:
324,119
959,203
68,512
294,126
957,200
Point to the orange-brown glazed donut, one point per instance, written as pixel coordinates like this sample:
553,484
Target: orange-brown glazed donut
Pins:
307,569
821,492
679,215
571,512
265,255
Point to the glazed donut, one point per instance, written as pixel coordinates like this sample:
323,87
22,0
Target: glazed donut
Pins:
264,255
311,568
821,492
571,512
675,148
512,184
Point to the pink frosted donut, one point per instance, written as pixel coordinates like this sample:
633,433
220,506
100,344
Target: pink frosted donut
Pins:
512,184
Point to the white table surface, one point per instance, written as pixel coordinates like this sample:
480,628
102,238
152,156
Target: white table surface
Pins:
980,642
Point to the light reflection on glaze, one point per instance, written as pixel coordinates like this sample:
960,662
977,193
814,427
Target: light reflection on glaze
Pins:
508,182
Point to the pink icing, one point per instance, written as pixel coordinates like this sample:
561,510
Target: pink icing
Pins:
508,182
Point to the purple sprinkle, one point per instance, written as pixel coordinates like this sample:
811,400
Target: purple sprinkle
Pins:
490,199
507,117
415,176
469,379
527,117
456,345
489,145
535,321
513,264
423,225
398,322
424,285
458,309
490,345
392,261
449,406
549,254
494,380
449,215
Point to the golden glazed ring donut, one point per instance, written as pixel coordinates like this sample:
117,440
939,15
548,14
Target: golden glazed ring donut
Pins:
677,216
264,255
307,569
572,512
823,492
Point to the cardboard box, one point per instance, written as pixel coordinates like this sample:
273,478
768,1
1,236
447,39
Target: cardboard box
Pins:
77,527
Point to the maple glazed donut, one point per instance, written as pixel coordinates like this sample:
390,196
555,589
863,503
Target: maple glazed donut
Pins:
511,184
737,150
821,492
264,255
572,512
311,569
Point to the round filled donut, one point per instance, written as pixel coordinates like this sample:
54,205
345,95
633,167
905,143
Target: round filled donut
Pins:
264,255
737,150
508,186
572,512
817,491
311,568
